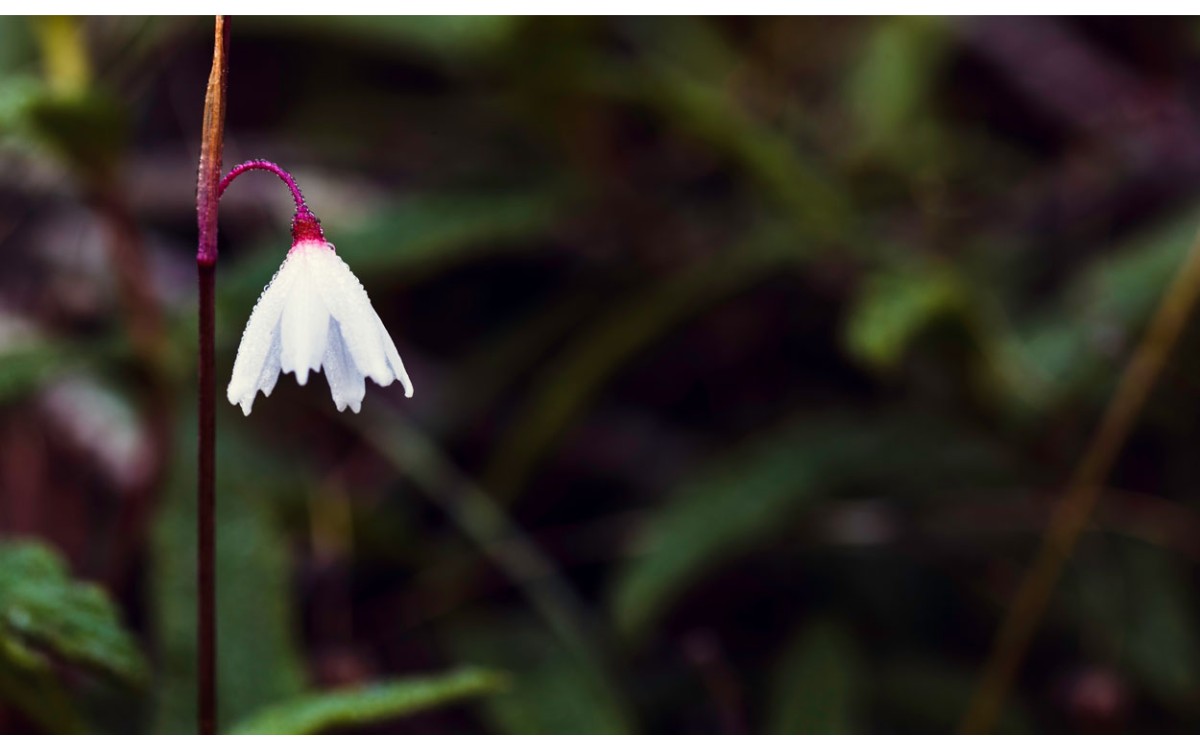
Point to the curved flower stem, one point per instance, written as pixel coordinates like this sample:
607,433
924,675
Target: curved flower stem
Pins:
305,225
207,194
266,166
1071,514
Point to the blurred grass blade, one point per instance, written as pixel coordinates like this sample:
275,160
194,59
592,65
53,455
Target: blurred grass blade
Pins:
818,683
486,524
350,707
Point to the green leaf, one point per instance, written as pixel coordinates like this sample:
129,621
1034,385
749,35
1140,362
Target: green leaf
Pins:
394,699
894,306
551,689
747,497
29,684
41,608
259,659
889,91
1099,315
27,367
1136,606
817,685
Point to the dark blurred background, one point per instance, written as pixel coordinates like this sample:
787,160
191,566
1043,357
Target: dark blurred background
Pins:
750,356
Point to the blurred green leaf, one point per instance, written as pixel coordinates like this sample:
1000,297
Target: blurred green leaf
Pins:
28,683
890,89
311,714
259,661
925,694
744,499
451,38
682,84
1101,311
817,684
42,608
27,367
1138,608
894,306
87,130
17,96
551,690
18,50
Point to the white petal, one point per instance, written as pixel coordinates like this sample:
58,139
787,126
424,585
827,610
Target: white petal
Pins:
346,383
393,356
350,306
304,327
257,361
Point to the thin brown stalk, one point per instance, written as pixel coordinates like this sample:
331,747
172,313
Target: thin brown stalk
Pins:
1073,510
207,182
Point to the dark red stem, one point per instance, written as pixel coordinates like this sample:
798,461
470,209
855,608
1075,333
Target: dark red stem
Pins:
207,193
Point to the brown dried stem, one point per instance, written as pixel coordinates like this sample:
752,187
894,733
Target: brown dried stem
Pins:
1079,499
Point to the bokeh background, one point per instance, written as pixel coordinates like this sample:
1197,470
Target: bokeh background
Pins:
750,358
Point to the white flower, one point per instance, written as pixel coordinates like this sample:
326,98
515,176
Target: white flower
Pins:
315,315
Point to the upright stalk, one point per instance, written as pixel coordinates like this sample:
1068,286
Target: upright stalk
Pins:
207,183
1074,508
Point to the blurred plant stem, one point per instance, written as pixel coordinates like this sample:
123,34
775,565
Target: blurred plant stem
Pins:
484,521
1075,507
209,176
64,54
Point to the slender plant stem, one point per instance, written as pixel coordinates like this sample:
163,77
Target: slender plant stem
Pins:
207,181
266,166
1073,510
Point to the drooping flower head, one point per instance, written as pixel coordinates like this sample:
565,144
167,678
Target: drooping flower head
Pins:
313,315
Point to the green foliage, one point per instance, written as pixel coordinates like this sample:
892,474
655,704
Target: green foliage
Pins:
748,498
645,315
602,193
1139,611
87,130
26,367
818,683
928,695
46,616
894,306
42,608
394,699
258,660
551,689
452,38
1109,301
891,88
